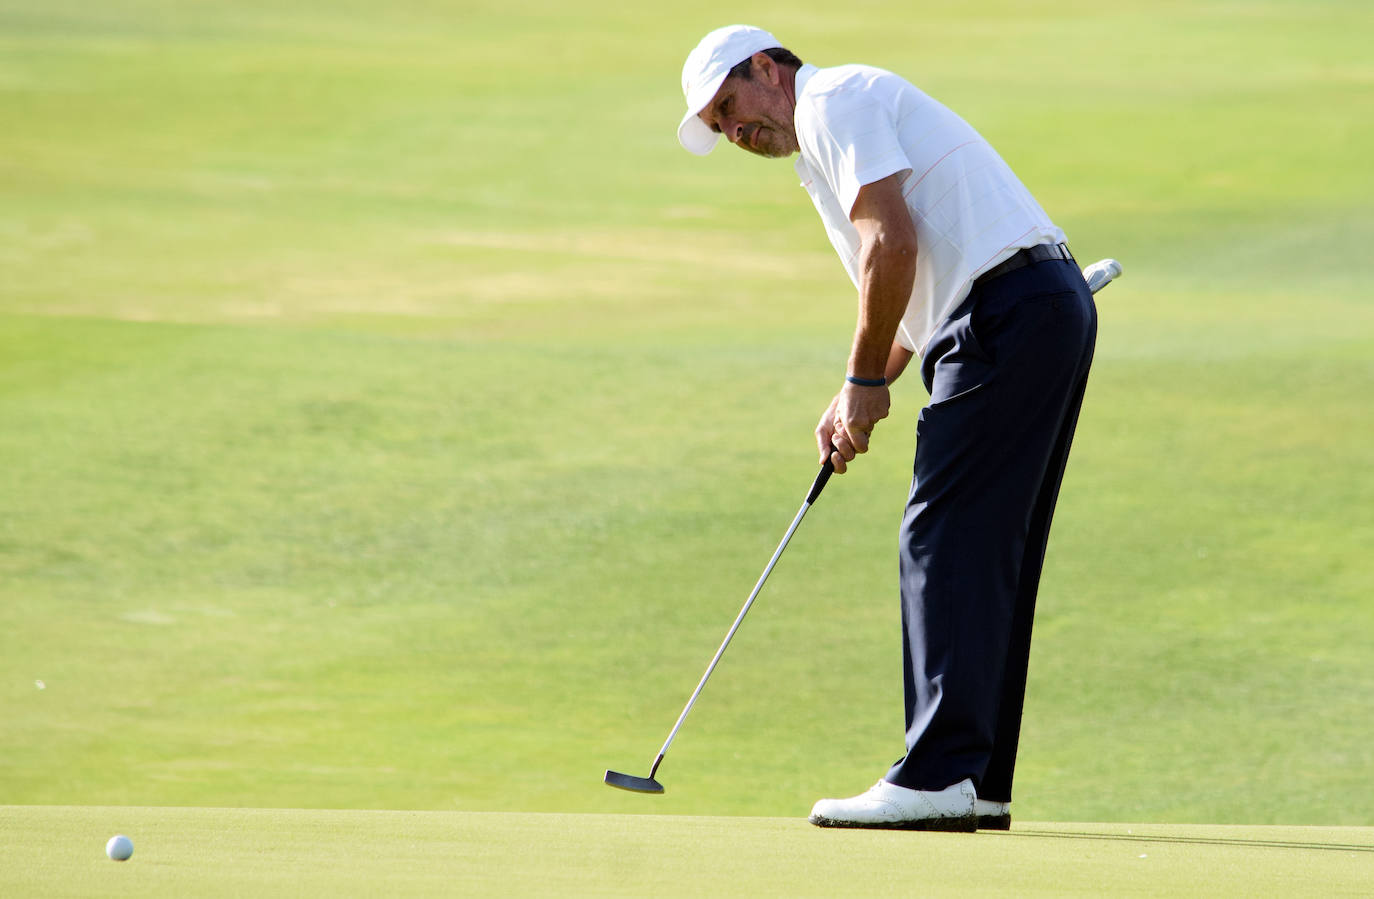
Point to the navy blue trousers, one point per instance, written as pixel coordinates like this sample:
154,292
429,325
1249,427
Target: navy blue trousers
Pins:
1006,373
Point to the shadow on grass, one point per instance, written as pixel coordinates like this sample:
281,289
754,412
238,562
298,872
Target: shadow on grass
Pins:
1206,841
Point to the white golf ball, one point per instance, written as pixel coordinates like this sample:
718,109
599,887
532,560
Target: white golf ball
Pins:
119,848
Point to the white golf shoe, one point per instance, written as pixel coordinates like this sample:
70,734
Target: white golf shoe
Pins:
992,815
890,806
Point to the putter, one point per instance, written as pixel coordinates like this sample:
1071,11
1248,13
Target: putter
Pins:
648,784
1098,275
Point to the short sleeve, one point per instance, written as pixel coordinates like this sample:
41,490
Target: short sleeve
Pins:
849,135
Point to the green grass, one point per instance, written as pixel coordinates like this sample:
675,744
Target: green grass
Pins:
279,852
392,416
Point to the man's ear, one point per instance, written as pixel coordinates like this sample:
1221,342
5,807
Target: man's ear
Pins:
764,67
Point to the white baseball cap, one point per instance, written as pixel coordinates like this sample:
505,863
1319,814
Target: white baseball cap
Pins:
704,73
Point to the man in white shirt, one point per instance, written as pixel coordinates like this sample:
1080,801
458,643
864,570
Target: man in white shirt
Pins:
955,261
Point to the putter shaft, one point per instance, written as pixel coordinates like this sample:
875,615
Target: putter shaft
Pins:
826,471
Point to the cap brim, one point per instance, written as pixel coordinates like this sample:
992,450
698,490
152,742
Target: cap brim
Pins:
694,134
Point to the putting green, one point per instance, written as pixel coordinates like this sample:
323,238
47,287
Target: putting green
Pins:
392,415
57,851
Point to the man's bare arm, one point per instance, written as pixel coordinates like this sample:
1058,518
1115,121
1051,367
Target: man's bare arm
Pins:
887,269
897,361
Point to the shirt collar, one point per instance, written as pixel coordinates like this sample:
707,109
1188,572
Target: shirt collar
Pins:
803,76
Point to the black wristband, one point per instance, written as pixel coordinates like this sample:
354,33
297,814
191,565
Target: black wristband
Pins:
866,382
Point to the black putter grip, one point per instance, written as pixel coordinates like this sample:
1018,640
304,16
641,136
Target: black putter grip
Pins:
819,484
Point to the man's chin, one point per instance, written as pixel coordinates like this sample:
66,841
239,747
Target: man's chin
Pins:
768,151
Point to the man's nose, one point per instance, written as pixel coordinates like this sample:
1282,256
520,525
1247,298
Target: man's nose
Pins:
732,130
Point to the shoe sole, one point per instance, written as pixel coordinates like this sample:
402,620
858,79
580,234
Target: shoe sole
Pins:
943,825
994,822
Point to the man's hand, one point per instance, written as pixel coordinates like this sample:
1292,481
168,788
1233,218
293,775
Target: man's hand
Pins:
845,428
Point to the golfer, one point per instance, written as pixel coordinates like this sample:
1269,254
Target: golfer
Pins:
955,263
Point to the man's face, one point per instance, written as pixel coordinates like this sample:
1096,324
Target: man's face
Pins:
755,114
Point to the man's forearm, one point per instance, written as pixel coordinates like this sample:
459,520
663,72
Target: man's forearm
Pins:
888,269
897,361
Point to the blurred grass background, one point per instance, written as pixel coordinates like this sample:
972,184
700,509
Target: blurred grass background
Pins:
393,416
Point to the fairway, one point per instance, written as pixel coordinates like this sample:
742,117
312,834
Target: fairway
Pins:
260,852
394,417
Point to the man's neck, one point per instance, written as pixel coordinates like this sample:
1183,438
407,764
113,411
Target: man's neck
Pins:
788,76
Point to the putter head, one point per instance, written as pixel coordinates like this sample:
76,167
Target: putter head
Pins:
632,783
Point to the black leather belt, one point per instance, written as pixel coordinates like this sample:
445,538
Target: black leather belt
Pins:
1029,256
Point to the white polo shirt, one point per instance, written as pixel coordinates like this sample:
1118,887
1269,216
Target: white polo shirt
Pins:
859,124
